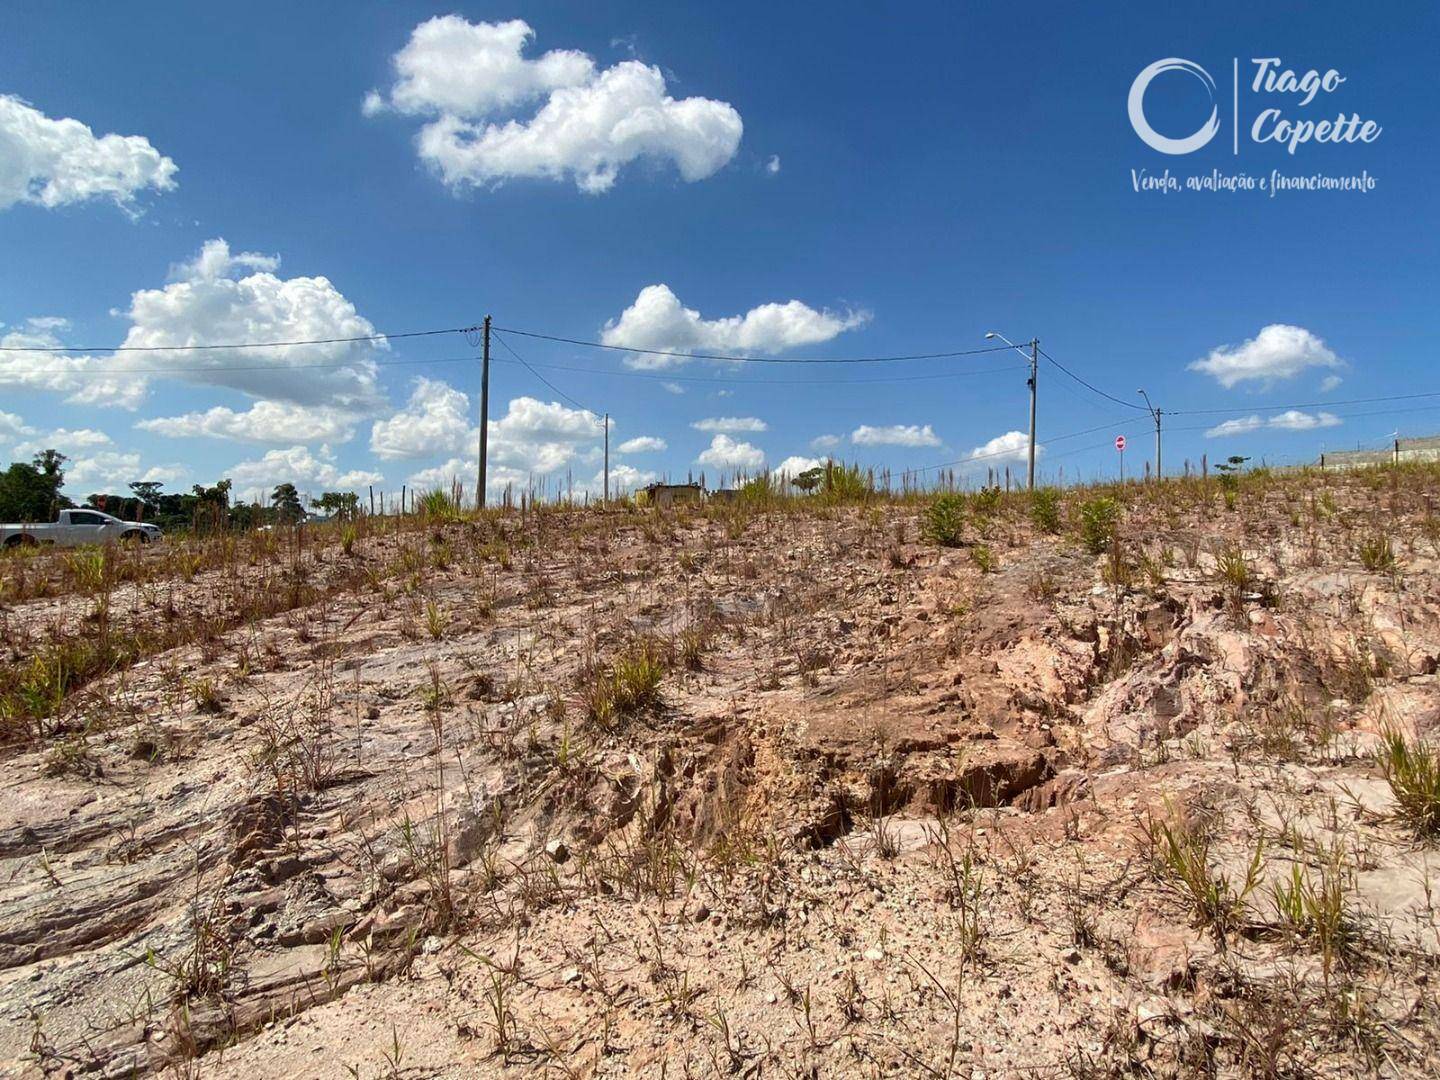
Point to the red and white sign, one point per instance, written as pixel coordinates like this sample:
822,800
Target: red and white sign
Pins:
1120,442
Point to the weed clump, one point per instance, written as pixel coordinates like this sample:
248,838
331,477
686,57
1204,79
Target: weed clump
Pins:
984,559
1045,510
1377,554
1099,520
438,505
630,687
944,520
986,501
1412,768
1182,856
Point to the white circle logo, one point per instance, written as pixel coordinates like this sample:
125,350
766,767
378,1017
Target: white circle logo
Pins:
1142,127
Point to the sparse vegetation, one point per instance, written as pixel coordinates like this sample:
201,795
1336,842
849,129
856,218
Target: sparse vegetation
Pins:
1045,504
944,522
765,780
1099,520
1412,768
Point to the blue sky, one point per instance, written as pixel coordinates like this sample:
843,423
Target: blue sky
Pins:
910,177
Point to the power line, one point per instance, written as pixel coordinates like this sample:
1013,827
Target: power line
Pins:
501,338
1309,404
1319,427
236,345
120,372
1091,387
770,382
754,359
1009,453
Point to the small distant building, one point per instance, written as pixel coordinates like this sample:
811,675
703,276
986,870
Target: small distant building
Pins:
1356,459
1422,448
725,495
1425,448
666,495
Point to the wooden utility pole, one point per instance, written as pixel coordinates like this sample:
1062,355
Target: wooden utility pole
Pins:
607,456
1034,370
484,411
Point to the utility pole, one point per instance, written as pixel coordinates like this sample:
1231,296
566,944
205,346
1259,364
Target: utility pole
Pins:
1034,370
607,457
1158,474
1154,415
484,411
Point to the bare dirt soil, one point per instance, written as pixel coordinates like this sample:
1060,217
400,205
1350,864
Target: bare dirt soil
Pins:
785,789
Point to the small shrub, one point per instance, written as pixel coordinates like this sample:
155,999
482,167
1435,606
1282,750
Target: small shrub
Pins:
630,687
1182,856
1042,587
944,520
1377,554
986,501
1412,768
434,620
1045,509
437,505
1099,518
1316,911
984,558
846,484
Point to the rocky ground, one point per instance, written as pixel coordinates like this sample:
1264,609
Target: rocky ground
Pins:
786,790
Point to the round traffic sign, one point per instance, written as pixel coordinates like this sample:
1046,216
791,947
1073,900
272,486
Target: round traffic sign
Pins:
1119,442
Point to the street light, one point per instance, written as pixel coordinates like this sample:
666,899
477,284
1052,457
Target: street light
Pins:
1154,415
1034,359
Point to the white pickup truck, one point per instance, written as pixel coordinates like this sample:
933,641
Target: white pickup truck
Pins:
77,528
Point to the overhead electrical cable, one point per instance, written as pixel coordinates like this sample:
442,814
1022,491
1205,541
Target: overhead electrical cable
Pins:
235,345
680,355
521,360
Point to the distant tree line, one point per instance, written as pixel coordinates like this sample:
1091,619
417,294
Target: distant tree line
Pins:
30,492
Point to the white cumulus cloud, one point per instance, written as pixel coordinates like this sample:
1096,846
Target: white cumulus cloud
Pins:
216,299
727,453
477,87
85,380
1012,446
1277,352
533,440
308,470
1290,420
263,422
731,424
219,298
794,465
642,444
47,162
895,435
623,478
657,320
13,427
1238,426
66,441
436,420
112,470
825,442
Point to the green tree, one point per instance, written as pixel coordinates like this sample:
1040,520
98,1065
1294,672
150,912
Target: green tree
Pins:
286,502
148,492
810,479
31,493
343,503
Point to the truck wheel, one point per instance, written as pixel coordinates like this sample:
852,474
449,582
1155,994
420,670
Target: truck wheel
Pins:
134,536
21,540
